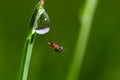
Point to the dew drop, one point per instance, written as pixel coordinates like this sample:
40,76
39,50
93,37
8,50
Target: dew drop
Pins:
43,24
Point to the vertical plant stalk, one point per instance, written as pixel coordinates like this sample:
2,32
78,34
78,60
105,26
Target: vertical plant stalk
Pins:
29,41
86,22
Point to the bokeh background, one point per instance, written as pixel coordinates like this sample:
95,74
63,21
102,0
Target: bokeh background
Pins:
102,55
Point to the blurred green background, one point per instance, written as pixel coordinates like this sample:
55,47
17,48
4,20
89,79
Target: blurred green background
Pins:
102,56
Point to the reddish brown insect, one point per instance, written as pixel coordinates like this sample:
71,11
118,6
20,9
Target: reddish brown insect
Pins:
55,46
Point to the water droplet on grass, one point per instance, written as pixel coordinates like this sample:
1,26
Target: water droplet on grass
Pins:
43,24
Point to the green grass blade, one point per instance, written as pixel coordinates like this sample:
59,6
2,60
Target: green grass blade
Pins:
29,41
86,22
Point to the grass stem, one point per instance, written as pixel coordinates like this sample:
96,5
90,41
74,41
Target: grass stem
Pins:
29,41
86,22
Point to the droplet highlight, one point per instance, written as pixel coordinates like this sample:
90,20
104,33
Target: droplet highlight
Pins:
42,30
43,20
